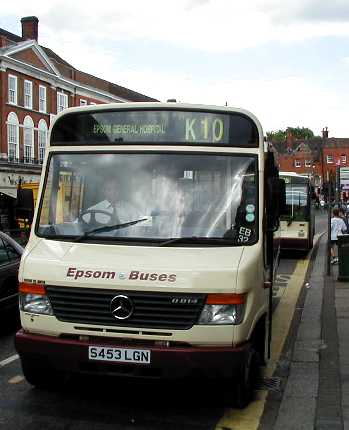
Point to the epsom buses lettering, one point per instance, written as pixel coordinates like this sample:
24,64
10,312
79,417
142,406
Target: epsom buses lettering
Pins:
75,273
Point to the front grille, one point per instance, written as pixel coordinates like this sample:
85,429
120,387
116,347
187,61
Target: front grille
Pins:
151,310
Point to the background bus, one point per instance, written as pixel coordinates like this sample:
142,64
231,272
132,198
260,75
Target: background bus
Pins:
298,222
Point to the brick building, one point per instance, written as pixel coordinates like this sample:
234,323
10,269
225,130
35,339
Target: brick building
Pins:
36,84
318,157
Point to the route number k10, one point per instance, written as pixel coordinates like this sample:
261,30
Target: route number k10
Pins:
206,129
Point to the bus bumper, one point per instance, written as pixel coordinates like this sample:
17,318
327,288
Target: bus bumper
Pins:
294,244
72,356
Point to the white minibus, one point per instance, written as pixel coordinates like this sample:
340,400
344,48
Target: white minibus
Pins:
153,246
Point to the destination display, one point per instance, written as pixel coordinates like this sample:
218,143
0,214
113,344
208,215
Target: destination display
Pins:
159,127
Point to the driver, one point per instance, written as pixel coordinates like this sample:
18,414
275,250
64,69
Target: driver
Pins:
112,209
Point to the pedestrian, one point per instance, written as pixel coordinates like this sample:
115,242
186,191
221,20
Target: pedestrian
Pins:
338,226
343,215
317,202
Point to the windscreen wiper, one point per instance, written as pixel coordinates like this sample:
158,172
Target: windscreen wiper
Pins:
194,239
107,228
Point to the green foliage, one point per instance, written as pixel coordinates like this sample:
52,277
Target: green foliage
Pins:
276,136
297,133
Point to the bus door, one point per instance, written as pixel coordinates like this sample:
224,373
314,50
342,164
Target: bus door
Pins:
275,199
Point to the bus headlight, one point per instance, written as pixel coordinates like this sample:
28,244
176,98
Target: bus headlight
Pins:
223,309
33,299
35,304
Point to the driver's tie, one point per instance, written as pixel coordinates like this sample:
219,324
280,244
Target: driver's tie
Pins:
115,219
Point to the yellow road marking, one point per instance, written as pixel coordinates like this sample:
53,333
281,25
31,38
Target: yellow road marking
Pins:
16,379
249,418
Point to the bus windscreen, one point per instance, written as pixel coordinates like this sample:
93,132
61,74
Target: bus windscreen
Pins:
155,127
297,198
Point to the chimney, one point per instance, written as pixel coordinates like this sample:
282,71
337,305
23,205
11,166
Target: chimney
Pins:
30,28
289,137
325,133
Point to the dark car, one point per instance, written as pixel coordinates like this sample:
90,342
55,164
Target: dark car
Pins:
10,256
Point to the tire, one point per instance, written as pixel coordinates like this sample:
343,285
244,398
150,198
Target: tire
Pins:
41,376
259,341
246,383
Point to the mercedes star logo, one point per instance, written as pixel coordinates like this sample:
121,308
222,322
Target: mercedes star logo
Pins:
121,307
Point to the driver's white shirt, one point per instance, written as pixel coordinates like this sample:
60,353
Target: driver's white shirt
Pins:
123,211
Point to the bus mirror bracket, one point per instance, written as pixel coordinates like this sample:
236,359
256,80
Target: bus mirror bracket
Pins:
282,197
273,203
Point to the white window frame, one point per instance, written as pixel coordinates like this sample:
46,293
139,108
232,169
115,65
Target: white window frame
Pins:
62,101
42,140
12,137
28,140
28,94
343,158
297,163
42,99
329,159
12,92
307,163
83,102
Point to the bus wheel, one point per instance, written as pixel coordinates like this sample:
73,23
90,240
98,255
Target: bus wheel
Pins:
246,380
41,376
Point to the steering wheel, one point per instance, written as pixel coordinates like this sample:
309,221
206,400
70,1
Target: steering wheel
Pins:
92,219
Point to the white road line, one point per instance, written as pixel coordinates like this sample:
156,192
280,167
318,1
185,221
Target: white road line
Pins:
9,360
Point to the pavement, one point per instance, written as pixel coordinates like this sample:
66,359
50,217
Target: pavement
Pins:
314,367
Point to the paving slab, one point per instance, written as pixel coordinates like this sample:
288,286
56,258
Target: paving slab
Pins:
295,414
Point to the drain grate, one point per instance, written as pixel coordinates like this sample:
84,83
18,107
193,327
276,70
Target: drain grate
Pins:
270,384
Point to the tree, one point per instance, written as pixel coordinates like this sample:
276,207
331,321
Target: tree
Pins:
276,136
297,133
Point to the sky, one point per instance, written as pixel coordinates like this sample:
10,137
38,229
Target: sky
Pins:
286,61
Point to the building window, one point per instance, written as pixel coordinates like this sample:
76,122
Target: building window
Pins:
329,159
12,137
12,89
307,163
28,94
42,98
297,163
83,102
28,138
343,159
62,102
42,139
